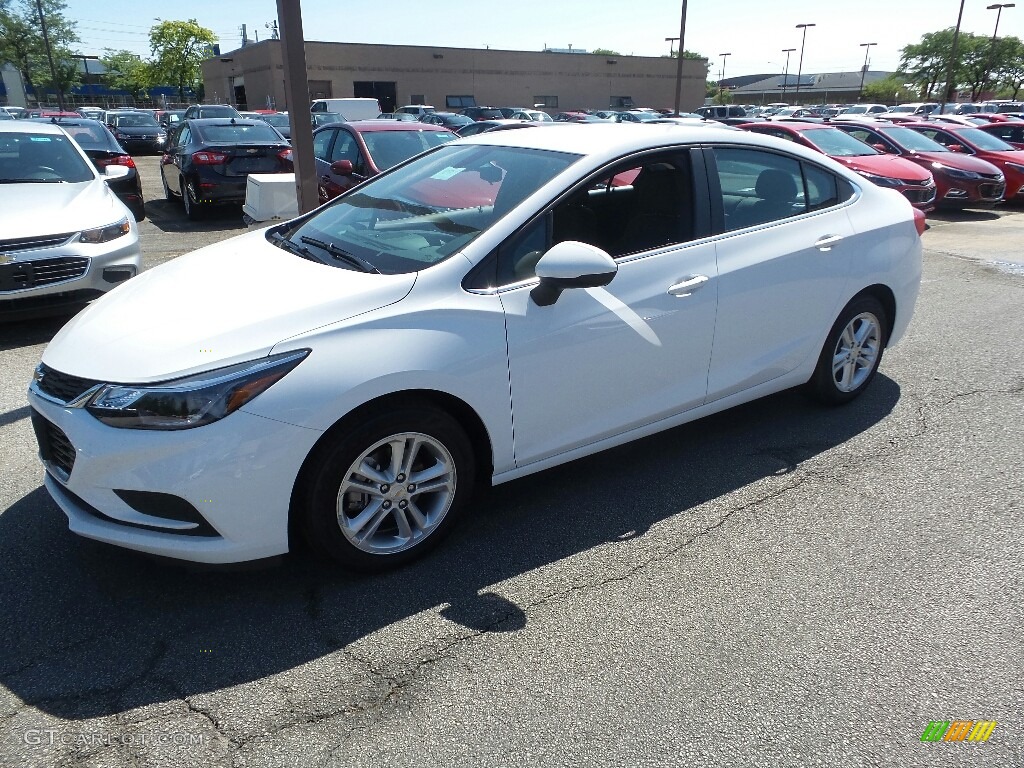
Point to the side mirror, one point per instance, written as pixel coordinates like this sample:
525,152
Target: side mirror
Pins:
341,167
112,172
571,264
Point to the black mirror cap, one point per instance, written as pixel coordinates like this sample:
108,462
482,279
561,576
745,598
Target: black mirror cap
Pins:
550,288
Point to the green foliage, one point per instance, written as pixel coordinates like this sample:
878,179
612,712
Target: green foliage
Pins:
884,91
21,43
127,71
1008,70
686,55
605,52
980,65
177,48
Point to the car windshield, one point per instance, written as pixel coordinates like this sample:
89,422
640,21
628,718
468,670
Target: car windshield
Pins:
424,212
238,133
985,141
278,121
136,121
912,140
41,158
389,148
836,143
859,110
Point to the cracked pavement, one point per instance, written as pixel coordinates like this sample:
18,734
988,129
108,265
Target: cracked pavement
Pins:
779,585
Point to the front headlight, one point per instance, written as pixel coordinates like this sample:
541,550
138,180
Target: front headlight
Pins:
106,234
191,401
955,173
882,181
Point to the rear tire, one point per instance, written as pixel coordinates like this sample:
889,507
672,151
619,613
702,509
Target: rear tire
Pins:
193,208
389,489
852,352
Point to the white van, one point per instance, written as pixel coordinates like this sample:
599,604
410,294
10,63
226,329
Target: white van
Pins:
351,109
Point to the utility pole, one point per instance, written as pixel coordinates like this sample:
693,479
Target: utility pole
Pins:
864,72
679,60
947,94
49,57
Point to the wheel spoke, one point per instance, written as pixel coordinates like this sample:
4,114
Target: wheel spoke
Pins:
425,475
400,449
418,518
367,470
370,518
865,329
847,339
848,371
838,362
404,531
358,485
414,445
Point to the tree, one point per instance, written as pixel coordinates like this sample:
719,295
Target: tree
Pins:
926,63
22,44
127,71
177,48
605,52
884,91
1008,65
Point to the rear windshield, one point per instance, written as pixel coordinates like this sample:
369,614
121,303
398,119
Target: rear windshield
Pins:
239,133
41,158
90,136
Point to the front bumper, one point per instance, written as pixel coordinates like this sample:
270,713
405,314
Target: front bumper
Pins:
58,274
238,473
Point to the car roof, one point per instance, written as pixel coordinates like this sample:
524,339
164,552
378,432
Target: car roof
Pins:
31,126
374,126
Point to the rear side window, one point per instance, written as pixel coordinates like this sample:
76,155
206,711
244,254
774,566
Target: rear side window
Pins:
759,187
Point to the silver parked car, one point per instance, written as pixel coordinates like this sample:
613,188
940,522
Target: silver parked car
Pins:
65,238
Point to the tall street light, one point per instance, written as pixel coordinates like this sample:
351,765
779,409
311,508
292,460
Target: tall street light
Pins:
679,59
722,77
998,8
800,69
864,72
671,40
785,77
947,94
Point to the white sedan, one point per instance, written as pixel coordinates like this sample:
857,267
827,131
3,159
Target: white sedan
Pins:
491,308
65,238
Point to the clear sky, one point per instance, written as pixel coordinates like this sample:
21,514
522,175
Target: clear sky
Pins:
754,32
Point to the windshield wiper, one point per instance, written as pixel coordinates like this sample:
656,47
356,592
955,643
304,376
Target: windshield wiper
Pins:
338,253
283,242
31,181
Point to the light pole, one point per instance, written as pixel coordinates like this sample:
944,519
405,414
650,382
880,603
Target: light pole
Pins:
722,77
864,72
671,40
785,77
679,58
947,94
998,8
800,69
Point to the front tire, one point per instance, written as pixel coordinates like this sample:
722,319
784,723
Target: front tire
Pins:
852,352
390,489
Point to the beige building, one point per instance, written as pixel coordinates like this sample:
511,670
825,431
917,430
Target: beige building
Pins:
452,78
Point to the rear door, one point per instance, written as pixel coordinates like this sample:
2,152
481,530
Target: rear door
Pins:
783,259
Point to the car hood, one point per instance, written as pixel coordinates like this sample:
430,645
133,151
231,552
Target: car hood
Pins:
220,305
31,210
886,165
956,160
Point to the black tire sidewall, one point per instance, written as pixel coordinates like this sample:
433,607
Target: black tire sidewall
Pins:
318,515
822,384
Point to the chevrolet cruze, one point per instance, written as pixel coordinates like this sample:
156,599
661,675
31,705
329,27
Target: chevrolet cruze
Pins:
491,308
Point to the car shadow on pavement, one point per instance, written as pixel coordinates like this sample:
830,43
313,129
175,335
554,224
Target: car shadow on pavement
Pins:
27,333
90,630
169,216
967,214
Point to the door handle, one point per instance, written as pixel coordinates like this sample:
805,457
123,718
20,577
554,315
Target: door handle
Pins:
688,286
824,244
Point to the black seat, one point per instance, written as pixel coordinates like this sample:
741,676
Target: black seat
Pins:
777,195
660,210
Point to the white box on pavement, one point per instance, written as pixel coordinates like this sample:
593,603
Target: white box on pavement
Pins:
270,196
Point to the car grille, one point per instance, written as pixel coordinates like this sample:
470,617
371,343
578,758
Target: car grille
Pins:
993,190
54,446
920,195
61,386
33,243
32,274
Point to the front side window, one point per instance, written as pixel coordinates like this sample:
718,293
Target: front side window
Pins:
424,212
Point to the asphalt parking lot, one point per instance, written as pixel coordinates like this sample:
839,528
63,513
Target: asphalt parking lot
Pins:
779,585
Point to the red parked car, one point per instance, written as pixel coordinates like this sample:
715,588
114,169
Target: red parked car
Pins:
914,182
347,153
961,181
1010,132
984,146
